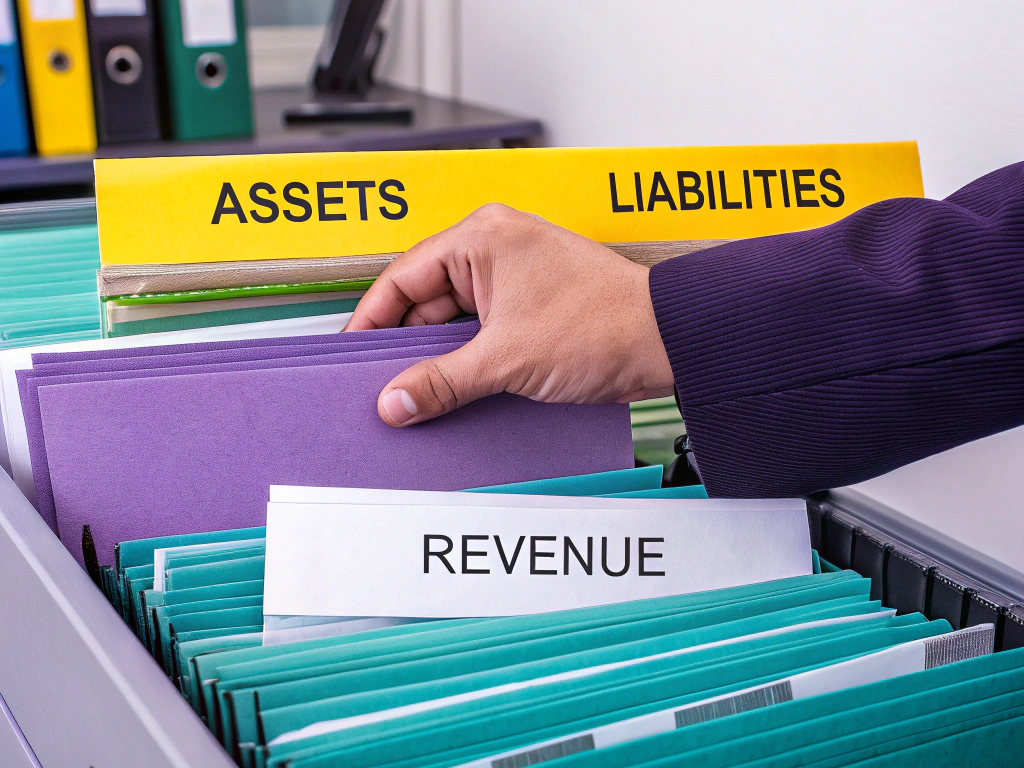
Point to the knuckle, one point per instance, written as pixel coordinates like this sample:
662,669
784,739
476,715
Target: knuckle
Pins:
441,386
495,212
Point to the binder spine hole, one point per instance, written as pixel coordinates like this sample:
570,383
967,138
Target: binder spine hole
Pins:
60,61
211,70
123,64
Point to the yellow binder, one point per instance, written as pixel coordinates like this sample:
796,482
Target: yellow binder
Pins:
56,51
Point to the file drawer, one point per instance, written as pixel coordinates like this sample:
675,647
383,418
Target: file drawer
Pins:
86,693
14,751
83,690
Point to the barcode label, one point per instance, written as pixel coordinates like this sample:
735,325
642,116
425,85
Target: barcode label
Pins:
543,754
744,702
958,646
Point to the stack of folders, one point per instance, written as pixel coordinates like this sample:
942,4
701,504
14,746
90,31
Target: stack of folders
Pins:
162,311
47,277
117,71
793,671
17,362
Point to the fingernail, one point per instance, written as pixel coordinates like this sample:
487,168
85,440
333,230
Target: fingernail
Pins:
399,406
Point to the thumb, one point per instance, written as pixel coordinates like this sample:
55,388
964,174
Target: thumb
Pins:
436,386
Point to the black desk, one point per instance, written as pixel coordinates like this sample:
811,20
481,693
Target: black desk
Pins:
437,123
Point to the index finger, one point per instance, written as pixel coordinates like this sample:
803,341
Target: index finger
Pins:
417,276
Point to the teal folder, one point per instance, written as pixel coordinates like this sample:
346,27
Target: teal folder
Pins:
48,285
538,714
237,672
614,662
162,616
760,733
680,492
140,552
192,576
456,671
597,484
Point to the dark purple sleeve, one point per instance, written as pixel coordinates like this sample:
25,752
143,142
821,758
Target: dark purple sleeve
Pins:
817,359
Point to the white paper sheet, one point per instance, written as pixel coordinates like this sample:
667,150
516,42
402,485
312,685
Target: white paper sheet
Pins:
292,494
417,561
160,555
12,360
278,630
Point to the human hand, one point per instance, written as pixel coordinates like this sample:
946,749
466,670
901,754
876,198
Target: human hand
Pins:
563,319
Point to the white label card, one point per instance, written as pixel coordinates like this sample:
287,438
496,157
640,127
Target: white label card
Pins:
52,10
118,7
461,561
208,22
6,22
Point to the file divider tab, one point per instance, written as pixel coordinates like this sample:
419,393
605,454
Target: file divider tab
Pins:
453,561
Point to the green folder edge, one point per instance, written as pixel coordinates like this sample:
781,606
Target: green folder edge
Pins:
231,317
210,294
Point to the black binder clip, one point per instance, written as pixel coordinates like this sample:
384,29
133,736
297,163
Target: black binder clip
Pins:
682,471
92,565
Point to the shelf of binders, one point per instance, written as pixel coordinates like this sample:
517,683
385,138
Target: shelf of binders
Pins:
437,123
141,79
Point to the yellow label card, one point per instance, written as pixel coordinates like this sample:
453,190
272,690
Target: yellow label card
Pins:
178,210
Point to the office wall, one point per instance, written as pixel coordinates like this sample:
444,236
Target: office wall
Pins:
948,73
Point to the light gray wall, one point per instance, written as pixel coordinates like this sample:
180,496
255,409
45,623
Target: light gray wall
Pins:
948,73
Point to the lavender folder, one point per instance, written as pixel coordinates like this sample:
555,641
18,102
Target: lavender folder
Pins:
383,336
185,355
29,382
141,457
338,343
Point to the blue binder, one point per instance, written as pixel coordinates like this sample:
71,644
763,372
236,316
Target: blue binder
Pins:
13,107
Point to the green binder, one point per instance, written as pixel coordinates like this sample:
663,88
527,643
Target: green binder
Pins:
207,75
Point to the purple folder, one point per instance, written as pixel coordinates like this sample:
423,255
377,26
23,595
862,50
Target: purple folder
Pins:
155,454
29,382
384,336
66,367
